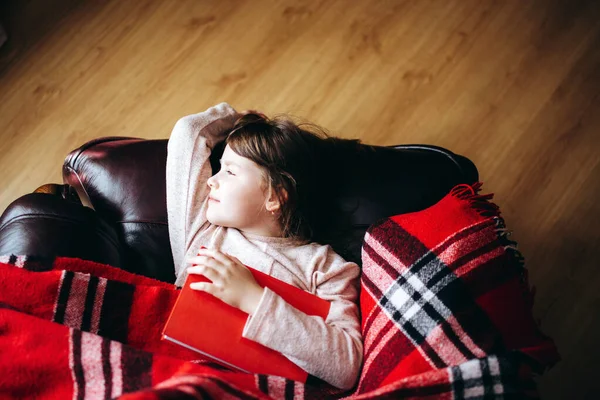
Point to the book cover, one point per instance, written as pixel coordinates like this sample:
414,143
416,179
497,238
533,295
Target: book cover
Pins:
211,327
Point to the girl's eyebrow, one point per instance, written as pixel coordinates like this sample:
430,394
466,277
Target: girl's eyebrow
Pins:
221,161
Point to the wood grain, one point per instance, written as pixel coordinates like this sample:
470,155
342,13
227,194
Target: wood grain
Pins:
514,86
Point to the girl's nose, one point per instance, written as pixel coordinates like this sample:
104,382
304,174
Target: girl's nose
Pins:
211,181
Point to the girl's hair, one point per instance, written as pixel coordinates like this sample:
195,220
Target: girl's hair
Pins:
302,159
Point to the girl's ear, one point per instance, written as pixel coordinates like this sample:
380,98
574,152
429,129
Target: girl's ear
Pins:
273,203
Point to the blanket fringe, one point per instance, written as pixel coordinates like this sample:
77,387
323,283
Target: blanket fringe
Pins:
485,208
512,250
480,203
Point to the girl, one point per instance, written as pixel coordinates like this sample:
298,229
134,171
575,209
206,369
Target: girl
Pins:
257,211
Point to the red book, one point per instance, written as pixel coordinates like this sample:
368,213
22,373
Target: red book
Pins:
213,328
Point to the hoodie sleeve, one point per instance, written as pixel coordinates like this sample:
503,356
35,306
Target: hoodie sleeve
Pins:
187,171
329,349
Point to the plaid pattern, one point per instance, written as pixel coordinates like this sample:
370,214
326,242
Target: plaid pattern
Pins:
420,298
85,336
445,303
444,289
93,301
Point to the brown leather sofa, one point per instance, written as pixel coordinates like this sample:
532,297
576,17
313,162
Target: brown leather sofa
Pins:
112,205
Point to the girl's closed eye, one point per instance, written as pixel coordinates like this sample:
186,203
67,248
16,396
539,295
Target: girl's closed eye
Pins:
229,172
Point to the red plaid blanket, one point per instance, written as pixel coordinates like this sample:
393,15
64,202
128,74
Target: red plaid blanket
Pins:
446,313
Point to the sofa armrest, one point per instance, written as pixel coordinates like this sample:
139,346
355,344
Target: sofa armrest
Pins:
51,223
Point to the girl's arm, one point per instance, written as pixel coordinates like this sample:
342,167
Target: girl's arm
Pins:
188,168
330,350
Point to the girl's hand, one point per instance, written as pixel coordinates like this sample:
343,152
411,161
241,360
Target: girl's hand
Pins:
232,282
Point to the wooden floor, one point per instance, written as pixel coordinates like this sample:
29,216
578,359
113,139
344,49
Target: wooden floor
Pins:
513,85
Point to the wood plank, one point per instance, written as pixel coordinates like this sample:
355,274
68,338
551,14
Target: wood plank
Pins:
514,86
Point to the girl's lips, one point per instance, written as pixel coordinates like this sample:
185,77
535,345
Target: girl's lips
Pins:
212,199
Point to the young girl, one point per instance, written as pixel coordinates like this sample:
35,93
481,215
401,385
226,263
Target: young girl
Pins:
256,211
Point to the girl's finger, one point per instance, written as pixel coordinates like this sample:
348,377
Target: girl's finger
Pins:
211,273
199,260
206,261
235,262
205,287
234,259
195,270
215,254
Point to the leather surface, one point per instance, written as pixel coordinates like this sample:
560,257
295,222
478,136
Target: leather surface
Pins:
47,225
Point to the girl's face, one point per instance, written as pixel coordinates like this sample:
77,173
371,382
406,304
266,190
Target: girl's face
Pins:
236,198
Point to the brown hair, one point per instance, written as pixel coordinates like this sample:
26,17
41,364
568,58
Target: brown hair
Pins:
295,157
